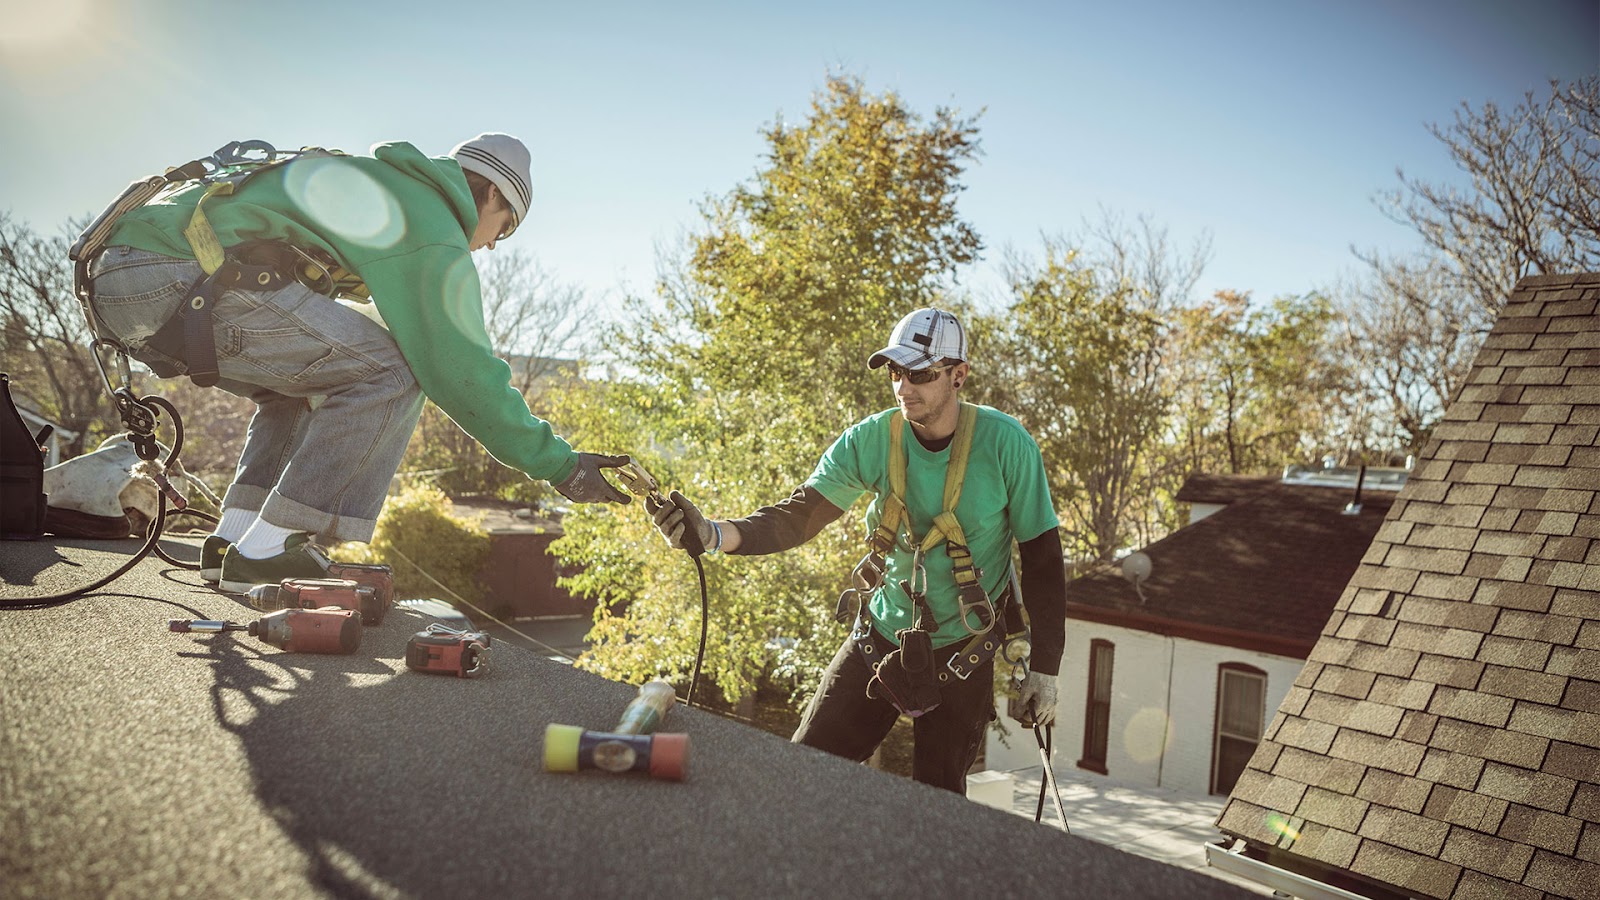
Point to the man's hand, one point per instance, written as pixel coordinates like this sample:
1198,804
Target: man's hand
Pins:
677,515
1035,703
587,485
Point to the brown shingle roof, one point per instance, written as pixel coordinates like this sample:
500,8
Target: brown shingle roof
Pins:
1204,487
1461,665
1262,573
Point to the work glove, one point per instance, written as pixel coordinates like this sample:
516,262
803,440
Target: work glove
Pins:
676,516
587,485
1035,703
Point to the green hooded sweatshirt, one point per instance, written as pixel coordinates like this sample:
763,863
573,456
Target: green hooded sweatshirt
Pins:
400,221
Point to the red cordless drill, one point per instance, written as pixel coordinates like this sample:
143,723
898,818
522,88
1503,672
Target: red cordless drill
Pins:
317,593
331,630
442,650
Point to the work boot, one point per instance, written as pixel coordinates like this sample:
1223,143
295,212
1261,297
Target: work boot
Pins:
211,553
240,573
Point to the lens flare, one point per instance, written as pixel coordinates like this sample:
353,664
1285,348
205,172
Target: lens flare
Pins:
1281,825
31,25
345,201
1148,734
461,301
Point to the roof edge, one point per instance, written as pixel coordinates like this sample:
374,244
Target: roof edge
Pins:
1207,634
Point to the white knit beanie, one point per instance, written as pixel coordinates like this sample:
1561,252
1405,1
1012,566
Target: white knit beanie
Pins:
503,160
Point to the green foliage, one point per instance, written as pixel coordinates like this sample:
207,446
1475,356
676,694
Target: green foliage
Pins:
417,529
533,321
748,365
44,339
1256,383
443,455
1076,357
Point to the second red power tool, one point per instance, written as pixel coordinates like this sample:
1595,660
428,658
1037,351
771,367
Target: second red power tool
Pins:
330,630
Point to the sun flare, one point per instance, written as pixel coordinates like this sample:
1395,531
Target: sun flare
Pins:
36,25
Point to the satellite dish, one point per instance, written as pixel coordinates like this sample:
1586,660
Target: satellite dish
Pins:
1136,568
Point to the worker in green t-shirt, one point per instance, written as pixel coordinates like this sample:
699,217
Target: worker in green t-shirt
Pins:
338,391
929,602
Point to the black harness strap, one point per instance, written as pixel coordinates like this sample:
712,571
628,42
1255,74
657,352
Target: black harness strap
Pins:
191,335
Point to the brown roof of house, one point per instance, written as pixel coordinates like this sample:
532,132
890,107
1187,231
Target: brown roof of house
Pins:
1443,738
1203,487
1261,574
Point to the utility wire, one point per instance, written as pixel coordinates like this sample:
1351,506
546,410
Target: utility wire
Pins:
481,611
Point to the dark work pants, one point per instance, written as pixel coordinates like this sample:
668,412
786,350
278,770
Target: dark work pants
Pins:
843,720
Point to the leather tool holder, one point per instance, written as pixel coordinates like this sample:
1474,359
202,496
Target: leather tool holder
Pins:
21,472
906,677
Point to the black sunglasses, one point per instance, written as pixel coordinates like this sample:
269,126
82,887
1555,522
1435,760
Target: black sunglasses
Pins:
916,376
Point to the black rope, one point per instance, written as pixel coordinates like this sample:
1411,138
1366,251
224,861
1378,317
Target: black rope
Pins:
151,537
205,517
152,533
700,653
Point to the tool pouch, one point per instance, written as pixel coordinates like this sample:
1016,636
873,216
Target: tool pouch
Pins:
21,472
905,677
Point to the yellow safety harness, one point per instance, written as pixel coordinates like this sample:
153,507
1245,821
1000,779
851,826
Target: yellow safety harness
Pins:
946,528
261,265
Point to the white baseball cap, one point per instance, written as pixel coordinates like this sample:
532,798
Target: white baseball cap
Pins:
922,339
503,160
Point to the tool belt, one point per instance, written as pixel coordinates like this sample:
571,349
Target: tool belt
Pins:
907,675
190,335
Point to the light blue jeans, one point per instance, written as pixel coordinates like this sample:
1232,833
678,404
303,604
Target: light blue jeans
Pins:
324,469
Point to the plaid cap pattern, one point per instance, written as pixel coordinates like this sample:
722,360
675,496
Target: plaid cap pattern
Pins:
921,339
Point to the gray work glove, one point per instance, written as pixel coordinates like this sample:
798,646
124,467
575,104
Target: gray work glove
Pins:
1035,703
587,485
678,514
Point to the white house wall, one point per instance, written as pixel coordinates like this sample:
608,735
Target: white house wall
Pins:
1140,711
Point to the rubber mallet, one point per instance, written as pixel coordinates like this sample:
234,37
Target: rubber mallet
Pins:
632,747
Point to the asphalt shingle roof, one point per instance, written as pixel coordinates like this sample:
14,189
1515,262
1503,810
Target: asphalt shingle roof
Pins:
136,762
1443,739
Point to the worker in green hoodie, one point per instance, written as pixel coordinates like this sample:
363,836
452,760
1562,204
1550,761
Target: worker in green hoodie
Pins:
337,392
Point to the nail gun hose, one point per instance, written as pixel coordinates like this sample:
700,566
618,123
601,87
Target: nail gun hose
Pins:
152,534
700,653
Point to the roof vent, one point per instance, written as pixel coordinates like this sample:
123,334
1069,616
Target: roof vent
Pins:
1353,508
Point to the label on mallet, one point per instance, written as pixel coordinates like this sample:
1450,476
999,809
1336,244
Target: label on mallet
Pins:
614,752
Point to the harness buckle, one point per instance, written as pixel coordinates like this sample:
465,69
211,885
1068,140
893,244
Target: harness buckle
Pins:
1017,652
868,573
973,600
849,606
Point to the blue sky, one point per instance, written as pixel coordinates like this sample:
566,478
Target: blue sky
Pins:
1269,124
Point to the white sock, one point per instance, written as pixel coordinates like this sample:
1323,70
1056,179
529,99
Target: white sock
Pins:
264,539
235,522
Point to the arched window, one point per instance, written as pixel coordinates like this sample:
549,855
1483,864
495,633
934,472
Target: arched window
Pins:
1097,710
1241,716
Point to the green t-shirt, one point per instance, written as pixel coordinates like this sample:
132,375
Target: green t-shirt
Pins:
400,221
1005,497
